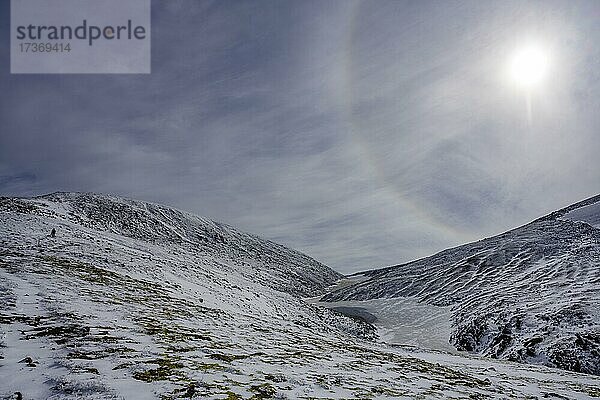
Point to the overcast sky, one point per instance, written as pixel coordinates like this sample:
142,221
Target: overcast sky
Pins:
364,133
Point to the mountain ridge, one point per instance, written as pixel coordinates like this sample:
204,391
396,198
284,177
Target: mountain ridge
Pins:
159,224
551,215
529,294
138,301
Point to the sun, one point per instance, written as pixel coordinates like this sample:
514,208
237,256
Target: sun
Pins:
529,65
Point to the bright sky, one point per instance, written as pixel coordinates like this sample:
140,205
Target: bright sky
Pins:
364,133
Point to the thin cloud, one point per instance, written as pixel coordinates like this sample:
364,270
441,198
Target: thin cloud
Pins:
365,134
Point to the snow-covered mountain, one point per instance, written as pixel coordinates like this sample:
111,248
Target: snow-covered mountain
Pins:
531,294
269,263
137,301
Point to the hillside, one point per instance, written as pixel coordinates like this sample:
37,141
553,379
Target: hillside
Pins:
270,263
531,294
137,301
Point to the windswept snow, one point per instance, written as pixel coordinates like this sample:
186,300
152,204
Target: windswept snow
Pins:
531,294
588,214
137,301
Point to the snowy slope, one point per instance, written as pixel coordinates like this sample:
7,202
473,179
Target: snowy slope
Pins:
138,301
589,214
278,267
531,294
